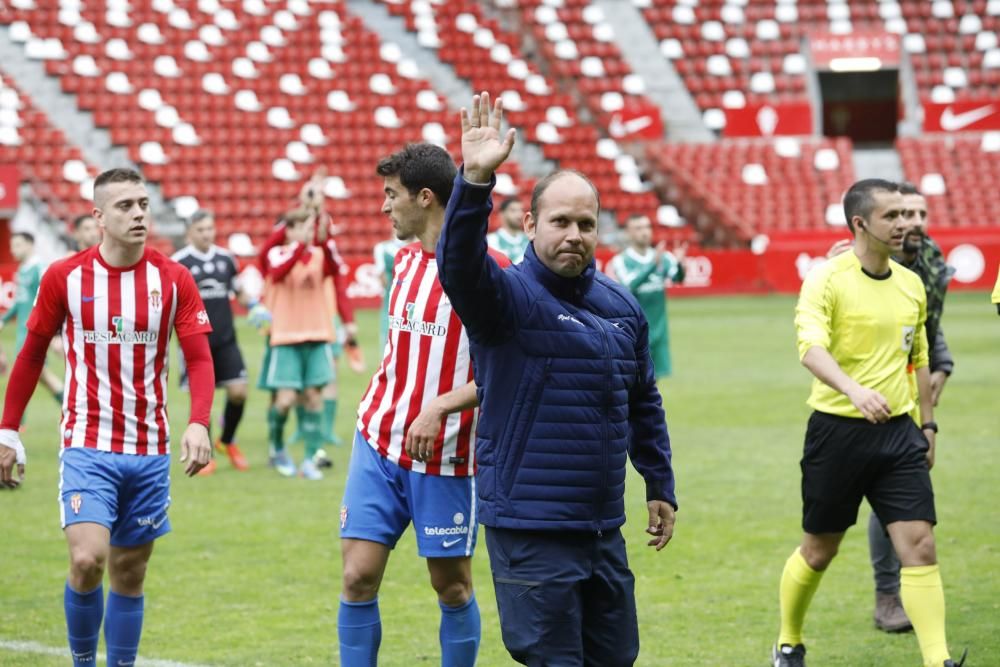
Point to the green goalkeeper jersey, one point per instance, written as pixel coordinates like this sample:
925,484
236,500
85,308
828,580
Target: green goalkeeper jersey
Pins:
29,276
645,275
512,245
385,260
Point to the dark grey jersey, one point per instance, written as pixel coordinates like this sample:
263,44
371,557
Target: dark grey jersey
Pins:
215,274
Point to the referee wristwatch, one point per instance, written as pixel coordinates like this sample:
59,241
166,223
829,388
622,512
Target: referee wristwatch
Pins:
929,426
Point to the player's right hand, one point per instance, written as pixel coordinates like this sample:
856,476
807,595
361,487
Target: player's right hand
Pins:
259,315
423,433
11,454
871,404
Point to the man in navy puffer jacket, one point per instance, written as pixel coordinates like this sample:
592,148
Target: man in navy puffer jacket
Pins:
567,394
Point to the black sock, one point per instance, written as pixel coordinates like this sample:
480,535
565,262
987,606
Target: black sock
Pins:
230,420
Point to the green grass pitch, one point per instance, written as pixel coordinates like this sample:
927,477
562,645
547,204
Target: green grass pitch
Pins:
251,573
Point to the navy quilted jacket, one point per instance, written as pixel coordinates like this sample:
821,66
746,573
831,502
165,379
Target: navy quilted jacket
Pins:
565,383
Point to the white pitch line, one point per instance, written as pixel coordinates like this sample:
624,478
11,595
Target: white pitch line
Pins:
42,649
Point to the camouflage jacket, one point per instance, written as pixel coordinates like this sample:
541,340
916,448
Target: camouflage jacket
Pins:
929,264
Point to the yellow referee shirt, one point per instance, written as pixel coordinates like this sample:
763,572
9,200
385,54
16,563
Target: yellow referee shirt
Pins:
995,298
873,328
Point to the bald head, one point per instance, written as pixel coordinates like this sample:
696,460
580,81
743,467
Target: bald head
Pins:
562,224
538,193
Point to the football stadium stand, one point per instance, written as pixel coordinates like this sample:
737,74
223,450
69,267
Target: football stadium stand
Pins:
233,104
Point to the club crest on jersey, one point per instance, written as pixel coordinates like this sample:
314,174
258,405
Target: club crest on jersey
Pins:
155,300
76,502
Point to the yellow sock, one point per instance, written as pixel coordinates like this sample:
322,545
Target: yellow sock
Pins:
798,583
923,599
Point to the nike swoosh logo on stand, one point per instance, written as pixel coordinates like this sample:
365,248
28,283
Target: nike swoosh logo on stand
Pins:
952,121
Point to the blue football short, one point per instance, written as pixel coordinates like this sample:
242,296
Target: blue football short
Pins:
381,499
126,493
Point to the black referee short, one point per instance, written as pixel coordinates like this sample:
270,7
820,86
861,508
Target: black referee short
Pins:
848,459
228,363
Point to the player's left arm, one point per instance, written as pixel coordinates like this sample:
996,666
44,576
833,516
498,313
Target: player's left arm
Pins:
45,320
423,432
193,327
335,267
649,445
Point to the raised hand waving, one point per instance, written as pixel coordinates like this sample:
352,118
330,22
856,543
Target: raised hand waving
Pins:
483,150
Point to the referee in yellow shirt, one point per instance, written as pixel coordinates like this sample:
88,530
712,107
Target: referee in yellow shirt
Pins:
995,297
860,321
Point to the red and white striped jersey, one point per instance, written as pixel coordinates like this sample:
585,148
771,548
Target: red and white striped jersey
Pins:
426,355
116,325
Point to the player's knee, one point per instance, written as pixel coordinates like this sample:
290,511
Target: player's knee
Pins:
360,584
128,575
313,398
818,556
923,550
237,394
454,593
284,401
87,565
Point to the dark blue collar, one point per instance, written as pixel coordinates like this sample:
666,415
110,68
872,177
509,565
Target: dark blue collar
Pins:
567,289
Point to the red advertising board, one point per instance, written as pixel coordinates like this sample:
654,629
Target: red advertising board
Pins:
636,121
768,120
10,181
779,269
827,47
969,115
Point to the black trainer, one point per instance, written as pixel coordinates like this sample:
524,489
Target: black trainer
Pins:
788,655
952,663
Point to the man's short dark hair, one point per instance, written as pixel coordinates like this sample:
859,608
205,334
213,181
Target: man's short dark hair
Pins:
543,185
199,215
79,220
117,175
859,200
508,202
420,166
907,188
27,236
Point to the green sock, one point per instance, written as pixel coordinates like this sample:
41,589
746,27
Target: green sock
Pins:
300,411
276,428
329,418
310,429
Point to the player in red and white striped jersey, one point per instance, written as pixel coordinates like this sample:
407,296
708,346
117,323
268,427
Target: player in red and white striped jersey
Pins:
413,458
115,325
116,305
426,355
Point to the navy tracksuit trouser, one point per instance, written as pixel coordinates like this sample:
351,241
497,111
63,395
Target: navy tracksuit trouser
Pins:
566,599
